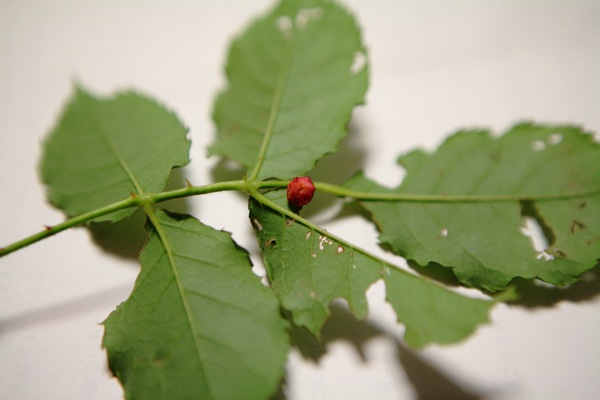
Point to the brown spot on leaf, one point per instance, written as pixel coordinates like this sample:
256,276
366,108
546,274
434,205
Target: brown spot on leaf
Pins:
583,204
270,243
560,253
592,241
576,225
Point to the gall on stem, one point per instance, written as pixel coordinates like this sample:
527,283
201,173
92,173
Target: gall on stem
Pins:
300,192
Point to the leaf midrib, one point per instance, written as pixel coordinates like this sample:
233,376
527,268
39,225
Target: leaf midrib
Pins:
113,149
281,83
181,290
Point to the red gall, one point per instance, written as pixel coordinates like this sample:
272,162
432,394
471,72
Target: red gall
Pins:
300,191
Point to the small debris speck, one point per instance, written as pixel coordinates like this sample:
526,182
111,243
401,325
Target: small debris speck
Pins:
538,145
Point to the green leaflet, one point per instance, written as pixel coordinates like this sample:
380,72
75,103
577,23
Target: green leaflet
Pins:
199,324
309,268
102,150
294,77
482,240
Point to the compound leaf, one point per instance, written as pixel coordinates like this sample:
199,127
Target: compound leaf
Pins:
294,77
102,150
548,173
309,268
198,324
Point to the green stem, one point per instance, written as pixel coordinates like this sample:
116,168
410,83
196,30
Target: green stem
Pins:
134,200
253,187
446,198
341,191
78,220
197,190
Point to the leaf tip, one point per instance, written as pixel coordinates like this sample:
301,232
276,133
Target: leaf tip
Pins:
80,89
508,295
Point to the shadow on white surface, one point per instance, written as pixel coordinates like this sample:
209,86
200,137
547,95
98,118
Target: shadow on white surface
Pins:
64,310
536,294
428,380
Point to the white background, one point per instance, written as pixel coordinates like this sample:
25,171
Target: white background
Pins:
436,66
